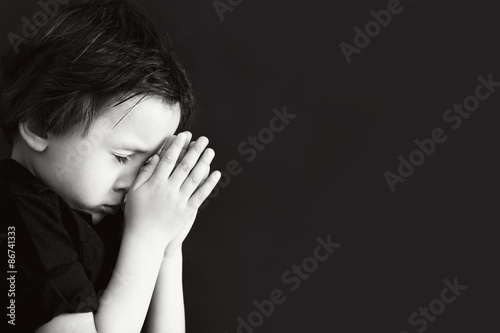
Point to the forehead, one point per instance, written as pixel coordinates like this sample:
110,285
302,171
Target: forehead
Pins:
143,122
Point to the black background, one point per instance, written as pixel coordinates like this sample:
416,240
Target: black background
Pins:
323,174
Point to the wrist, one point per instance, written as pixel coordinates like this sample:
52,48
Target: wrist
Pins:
148,239
173,252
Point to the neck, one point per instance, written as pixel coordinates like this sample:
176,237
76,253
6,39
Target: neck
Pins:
20,154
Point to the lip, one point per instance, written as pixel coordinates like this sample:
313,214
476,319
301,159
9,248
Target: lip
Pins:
111,209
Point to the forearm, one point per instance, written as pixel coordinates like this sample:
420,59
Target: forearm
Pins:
166,312
124,304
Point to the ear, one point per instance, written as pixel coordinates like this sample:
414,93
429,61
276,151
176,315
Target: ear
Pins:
34,141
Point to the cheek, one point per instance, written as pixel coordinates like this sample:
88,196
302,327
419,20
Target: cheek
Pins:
95,179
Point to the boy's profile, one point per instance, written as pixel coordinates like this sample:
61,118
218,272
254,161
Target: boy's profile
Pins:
99,189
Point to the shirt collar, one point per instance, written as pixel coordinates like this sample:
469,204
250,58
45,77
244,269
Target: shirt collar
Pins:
15,172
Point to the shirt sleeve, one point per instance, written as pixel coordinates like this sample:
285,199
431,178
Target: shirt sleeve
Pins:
50,279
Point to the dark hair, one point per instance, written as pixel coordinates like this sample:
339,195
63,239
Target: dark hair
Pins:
90,54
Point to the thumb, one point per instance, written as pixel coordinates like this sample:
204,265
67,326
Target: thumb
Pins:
146,172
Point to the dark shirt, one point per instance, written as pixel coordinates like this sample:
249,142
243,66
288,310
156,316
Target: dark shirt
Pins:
62,261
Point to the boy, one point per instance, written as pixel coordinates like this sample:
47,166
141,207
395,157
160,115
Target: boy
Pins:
91,104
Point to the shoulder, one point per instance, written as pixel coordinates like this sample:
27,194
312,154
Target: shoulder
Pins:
45,223
59,256
19,189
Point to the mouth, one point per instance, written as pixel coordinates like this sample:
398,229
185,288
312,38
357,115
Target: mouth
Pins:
112,210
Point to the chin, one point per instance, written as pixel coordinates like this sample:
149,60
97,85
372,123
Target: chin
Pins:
97,217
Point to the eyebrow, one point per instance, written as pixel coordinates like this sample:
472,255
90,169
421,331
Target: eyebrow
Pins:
135,149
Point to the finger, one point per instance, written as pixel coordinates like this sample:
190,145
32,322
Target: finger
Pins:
168,158
204,191
146,172
171,139
166,144
197,175
205,176
186,146
189,161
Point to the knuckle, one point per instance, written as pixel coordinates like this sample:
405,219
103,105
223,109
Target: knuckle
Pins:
198,148
184,167
206,158
169,159
192,204
194,180
201,195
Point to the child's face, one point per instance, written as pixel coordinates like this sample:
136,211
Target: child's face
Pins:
94,173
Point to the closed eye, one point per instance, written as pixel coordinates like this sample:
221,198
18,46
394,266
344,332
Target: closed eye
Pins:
122,159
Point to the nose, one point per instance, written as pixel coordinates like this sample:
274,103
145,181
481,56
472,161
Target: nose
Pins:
125,180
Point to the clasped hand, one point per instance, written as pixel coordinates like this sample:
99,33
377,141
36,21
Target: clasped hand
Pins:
163,201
